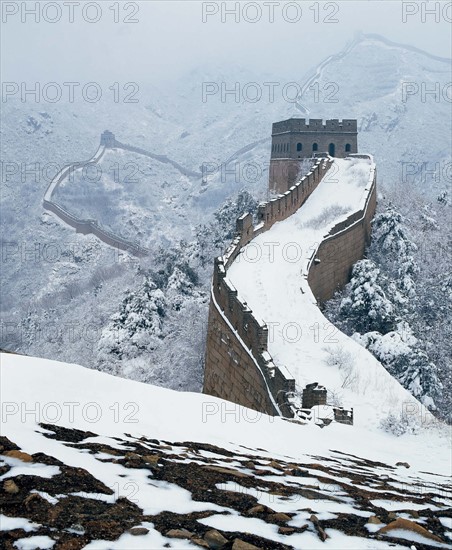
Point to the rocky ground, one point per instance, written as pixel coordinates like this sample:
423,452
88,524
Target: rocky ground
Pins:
72,508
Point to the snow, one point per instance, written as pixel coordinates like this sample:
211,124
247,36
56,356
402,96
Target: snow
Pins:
300,337
205,419
171,416
18,468
7,524
34,543
415,537
153,539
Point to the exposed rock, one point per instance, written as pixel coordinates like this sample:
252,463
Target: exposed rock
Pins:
65,434
374,520
228,471
258,509
36,504
179,534
404,464
199,542
132,456
279,517
250,465
215,540
298,472
151,459
414,514
104,529
407,525
25,457
242,545
10,487
286,530
138,531
7,445
320,531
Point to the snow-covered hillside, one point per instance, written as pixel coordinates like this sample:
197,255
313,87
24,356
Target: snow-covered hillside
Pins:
52,278
159,469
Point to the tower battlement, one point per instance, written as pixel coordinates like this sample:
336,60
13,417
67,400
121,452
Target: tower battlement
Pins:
295,139
108,139
347,125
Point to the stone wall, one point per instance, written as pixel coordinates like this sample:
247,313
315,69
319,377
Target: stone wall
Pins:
238,366
89,226
330,267
297,139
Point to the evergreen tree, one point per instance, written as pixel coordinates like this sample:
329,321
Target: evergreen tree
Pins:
137,327
366,307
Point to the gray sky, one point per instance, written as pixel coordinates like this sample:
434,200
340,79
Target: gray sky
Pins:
170,37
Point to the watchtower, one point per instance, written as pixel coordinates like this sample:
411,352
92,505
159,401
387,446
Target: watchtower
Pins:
295,139
108,139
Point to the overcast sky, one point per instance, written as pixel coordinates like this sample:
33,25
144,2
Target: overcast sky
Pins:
170,37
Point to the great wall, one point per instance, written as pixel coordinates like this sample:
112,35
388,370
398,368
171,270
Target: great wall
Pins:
89,226
238,365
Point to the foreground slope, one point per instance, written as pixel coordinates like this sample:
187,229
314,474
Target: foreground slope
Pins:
93,461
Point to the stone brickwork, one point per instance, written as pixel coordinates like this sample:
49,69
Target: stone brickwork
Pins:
238,366
289,201
232,373
295,139
314,395
331,266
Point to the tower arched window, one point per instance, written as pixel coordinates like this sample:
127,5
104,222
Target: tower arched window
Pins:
315,146
299,146
348,147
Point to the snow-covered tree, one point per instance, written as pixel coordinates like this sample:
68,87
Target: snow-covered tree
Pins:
366,307
137,327
406,288
392,249
400,352
212,238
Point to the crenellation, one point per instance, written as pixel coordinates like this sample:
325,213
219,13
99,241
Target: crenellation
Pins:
238,365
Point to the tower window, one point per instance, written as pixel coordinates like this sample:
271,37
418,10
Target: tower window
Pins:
348,147
299,146
315,147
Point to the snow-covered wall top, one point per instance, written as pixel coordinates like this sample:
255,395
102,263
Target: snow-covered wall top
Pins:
350,181
235,315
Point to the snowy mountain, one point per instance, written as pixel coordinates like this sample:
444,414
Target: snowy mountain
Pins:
53,278
156,468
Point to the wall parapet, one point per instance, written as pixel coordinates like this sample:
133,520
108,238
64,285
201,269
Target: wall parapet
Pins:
250,330
330,265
